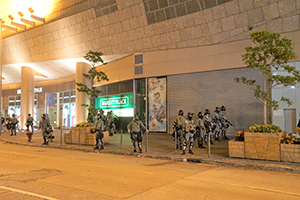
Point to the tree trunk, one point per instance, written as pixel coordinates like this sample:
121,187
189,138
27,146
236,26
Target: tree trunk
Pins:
264,101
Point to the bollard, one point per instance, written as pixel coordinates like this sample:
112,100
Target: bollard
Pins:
175,142
147,141
121,140
60,142
208,142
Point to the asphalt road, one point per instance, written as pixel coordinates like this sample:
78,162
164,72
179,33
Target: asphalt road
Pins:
46,173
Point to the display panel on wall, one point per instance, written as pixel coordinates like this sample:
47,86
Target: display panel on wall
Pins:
157,104
121,105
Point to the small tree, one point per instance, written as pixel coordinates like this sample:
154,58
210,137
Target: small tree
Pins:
93,75
269,53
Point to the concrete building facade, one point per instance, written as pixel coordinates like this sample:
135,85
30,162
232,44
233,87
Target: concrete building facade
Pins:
196,45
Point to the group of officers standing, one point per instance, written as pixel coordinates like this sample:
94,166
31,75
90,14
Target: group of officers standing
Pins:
187,130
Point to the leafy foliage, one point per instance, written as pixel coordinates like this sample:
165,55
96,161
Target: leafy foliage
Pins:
269,128
239,136
93,75
84,124
268,53
289,139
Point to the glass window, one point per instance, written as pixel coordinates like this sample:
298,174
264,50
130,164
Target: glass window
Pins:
126,86
113,88
73,95
66,97
60,97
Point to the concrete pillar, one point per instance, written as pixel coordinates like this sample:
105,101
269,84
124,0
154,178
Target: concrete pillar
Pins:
27,94
81,112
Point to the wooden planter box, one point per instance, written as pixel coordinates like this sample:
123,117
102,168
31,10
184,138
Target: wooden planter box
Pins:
236,149
67,138
263,146
290,152
82,135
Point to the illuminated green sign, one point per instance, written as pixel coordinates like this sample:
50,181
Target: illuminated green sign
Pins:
115,102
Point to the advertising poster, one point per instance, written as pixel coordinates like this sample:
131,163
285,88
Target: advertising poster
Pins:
18,113
157,94
11,110
66,115
73,115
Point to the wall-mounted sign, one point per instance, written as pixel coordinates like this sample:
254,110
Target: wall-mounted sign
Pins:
121,105
36,90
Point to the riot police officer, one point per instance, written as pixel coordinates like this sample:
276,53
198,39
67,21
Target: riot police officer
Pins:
225,122
13,123
218,124
208,126
135,128
111,126
190,129
44,124
29,122
99,127
180,127
200,130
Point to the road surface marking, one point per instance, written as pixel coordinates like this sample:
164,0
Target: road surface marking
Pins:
27,193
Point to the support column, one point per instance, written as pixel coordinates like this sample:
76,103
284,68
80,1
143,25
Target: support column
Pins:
27,94
81,112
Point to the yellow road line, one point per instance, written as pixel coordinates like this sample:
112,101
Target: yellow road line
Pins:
27,193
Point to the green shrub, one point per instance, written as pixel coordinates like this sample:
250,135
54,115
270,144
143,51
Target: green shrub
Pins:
269,128
84,124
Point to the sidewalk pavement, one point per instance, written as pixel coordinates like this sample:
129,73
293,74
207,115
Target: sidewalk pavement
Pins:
159,146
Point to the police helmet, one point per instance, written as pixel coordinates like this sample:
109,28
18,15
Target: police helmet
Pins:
207,112
223,108
217,109
190,115
180,112
200,115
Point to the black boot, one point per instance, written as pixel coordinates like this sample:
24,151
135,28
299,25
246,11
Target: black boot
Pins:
201,146
140,151
44,140
96,148
183,152
134,150
191,152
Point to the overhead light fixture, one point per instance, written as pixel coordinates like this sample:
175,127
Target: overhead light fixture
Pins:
22,26
11,17
21,14
38,18
35,17
31,10
31,23
25,21
9,28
